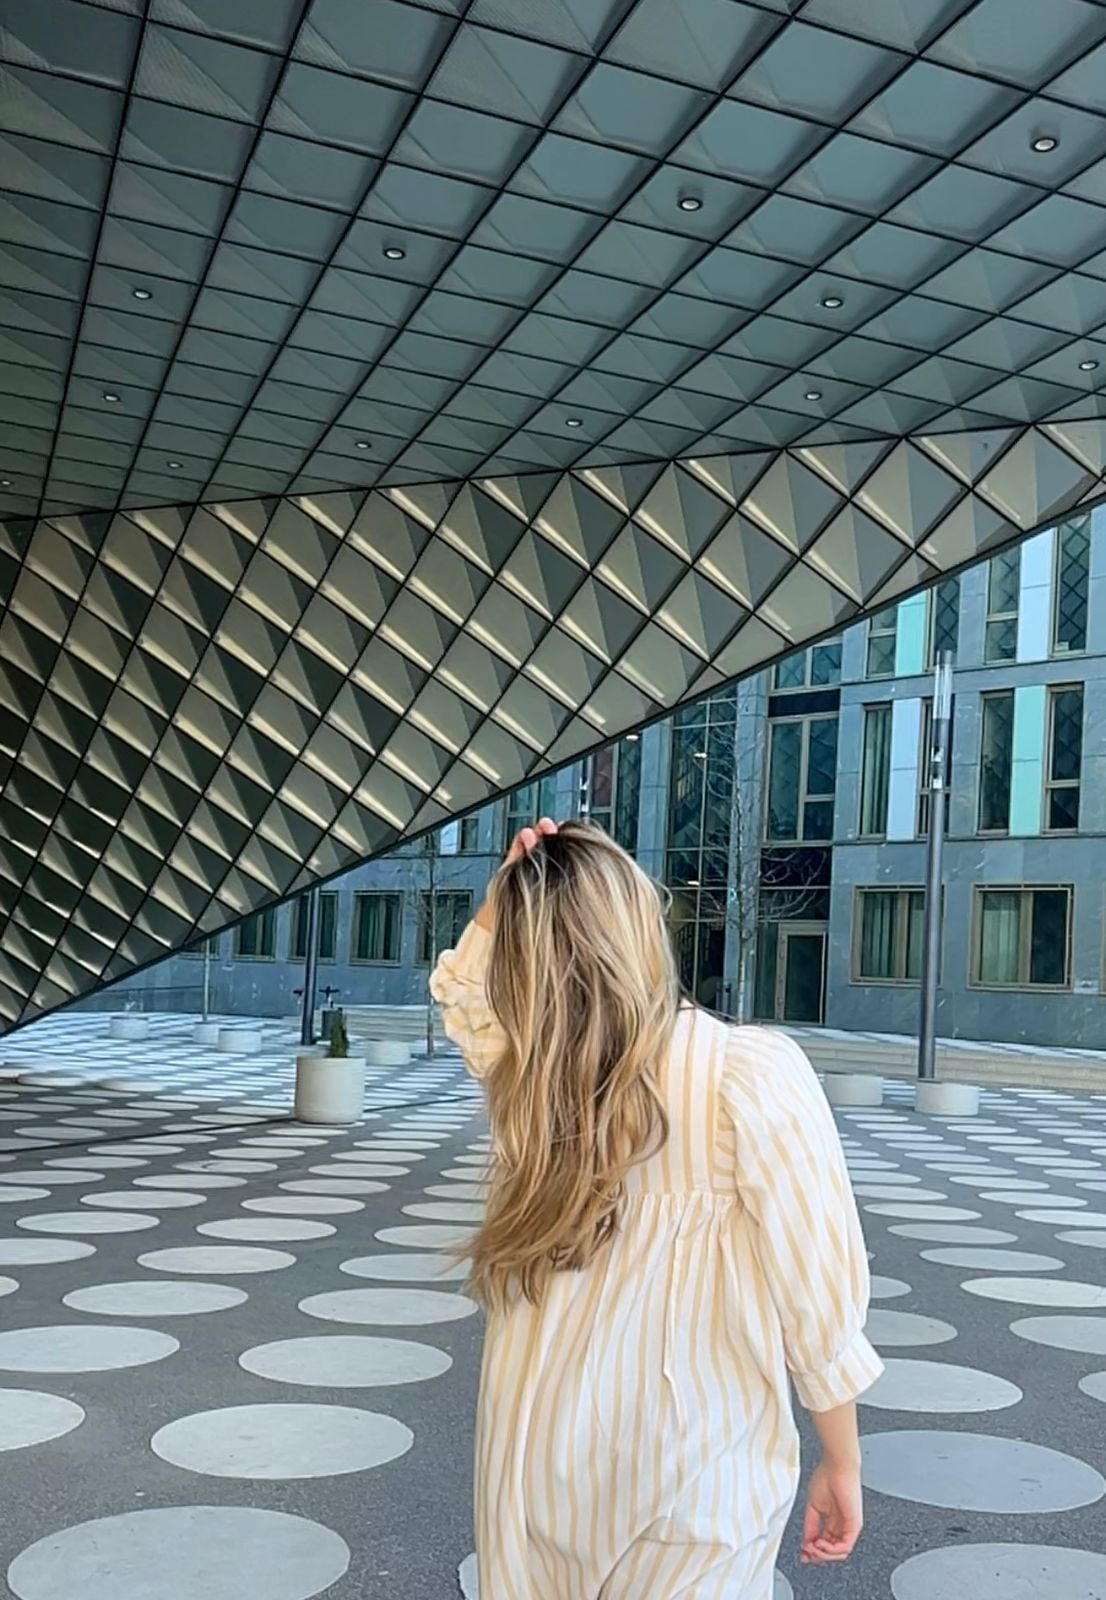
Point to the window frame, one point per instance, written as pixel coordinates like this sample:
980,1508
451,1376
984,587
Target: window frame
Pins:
882,708
1056,650
884,632
934,598
807,658
1051,784
991,697
1025,892
299,912
994,617
903,893
423,954
360,896
266,917
805,721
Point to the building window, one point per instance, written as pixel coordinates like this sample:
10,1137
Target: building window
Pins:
890,927
1000,642
802,779
816,668
613,790
470,835
703,818
526,804
1072,586
255,939
377,922
875,782
944,619
202,948
328,927
451,914
882,632
1022,938
996,763
1065,759
925,752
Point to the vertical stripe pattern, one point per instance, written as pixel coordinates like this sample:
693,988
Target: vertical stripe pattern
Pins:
635,1439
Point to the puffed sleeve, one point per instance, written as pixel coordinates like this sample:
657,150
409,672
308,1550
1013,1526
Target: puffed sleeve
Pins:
457,984
792,1177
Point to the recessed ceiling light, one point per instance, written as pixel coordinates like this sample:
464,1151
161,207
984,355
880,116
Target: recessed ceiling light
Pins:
111,398
813,394
362,444
574,422
176,465
1088,365
1045,143
690,202
393,252
832,302
142,294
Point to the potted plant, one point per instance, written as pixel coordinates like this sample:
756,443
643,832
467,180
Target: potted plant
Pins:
330,1084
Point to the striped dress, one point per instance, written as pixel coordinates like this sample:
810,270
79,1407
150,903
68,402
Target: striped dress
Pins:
635,1438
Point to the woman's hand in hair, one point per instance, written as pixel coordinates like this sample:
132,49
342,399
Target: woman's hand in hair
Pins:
526,840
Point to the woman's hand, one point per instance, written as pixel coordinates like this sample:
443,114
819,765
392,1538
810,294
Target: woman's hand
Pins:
526,840
834,1513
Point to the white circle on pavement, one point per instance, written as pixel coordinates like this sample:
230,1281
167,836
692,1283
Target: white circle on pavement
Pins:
1001,1572
1067,1219
389,1307
360,1169
1090,1238
446,1210
334,1186
406,1268
457,1191
182,1181
216,1259
7,1286
260,1229
938,1387
238,1168
78,1347
42,1252
149,1298
11,1195
1087,1335
281,1442
217,1552
28,1417
106,1163
918,1213
153,1200
426,1236
977,1472
974,1180
53,1176
88,1222
951,1233
346,1361
883,1191
1094,1385
385,1154
888,1288
994,1260
303,1205
905,1328
1039,1292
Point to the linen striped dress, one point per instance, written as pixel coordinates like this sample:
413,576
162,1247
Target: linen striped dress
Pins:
635,1439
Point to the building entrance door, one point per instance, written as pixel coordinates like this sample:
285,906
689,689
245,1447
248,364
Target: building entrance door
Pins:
801,973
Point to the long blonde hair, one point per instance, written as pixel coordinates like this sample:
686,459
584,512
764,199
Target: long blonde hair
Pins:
582,980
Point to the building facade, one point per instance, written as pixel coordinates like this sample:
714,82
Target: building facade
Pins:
788,818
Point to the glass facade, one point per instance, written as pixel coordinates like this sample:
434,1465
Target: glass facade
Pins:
1072,586
1065,759
328,927
377,926
255,939
996,767
802,779
875,780
442,920
1003,592
702,812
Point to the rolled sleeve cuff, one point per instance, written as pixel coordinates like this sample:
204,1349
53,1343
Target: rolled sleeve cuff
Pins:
847,1377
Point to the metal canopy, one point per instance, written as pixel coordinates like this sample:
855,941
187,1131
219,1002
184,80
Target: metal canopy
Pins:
537,366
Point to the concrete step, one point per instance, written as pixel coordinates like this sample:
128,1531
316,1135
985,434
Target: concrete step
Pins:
1010,1069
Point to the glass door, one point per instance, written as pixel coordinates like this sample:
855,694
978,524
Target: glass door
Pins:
801,973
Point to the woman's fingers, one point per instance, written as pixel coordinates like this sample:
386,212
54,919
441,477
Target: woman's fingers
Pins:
528,839
546,826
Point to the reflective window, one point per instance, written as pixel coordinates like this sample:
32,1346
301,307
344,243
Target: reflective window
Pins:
875,780
1063,777
377,926
442,921
925,756
703,818
816,668
802,778
944,618
1000,641
1022,938
527,804
889,934
882,631
328,927
1072,586
255,939
996,764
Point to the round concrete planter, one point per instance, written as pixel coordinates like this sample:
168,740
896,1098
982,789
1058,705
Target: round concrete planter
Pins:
240,1041
946,1099
329,1090
131,1028
387,1053
206,1033
853,1089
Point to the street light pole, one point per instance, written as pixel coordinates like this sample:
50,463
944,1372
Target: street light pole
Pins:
310,968
938,756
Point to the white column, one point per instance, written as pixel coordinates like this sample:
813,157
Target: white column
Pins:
902,805
1035,597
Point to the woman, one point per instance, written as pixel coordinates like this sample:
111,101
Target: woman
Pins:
670,1239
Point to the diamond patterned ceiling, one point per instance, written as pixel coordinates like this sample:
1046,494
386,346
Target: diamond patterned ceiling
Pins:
399,399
